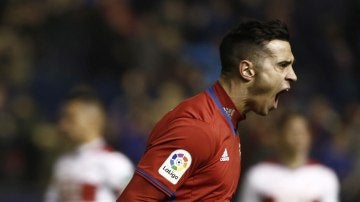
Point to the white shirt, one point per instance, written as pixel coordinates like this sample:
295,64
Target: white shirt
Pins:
278,183
90,173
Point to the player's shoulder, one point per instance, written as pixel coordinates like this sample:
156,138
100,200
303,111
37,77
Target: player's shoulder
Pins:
261,170
319,172
103,152
110,152
198,107
264,171
265,167
193,118
320,168
191,123
192,115
113,158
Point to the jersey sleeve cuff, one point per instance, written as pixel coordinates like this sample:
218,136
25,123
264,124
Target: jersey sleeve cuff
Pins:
156,183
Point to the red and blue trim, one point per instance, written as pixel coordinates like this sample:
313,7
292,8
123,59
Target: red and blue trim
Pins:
155,182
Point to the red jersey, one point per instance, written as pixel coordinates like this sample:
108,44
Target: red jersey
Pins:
193,153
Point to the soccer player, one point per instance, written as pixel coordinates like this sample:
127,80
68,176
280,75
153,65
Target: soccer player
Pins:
292,176
193,153
90,171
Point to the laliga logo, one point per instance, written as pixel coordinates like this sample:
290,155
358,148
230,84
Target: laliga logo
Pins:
170,172
178,162
175,166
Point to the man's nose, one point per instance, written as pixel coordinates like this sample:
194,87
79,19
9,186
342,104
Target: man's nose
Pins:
291,75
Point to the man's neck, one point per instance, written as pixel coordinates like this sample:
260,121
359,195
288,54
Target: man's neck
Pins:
237,93
293,161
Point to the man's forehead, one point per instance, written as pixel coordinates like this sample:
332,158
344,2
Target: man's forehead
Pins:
278,44
280,50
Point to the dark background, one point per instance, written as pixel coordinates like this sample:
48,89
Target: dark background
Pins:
143,57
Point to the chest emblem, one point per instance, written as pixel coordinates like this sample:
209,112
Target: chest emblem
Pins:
225,156
229,111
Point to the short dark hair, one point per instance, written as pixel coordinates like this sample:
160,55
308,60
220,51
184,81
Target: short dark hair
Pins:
84,94
246,39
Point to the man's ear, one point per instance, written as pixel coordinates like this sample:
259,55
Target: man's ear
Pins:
246,70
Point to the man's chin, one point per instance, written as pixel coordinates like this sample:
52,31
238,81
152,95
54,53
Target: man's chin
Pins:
263,112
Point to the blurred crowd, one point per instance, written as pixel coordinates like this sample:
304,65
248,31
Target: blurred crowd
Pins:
144,57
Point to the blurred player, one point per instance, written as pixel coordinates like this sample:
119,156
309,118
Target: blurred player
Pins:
292,177
91,171
193,153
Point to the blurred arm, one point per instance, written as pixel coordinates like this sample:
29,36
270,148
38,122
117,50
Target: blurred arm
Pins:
247,193
332,188
139,189
51,194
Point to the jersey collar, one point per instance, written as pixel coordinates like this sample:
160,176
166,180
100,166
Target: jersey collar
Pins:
97,143
225,104
228,104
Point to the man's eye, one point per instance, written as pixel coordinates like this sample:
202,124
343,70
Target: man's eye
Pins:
284,64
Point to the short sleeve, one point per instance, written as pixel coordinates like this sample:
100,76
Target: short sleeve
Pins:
51,194
330,186
247,191
119,170
175,152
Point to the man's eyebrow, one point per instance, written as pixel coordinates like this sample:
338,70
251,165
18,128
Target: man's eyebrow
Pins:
287,62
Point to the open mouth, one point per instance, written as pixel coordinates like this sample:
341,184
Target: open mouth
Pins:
278,95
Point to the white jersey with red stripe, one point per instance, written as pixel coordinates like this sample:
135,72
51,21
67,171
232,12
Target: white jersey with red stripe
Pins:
90,173
273,182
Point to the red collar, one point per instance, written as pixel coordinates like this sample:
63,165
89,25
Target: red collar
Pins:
228,104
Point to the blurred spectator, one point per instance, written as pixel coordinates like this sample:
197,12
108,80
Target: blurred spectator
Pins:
129,114
331,137
350,183
49,46
293,176
89,170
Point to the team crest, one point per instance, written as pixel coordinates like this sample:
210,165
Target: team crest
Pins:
175,165
229,111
